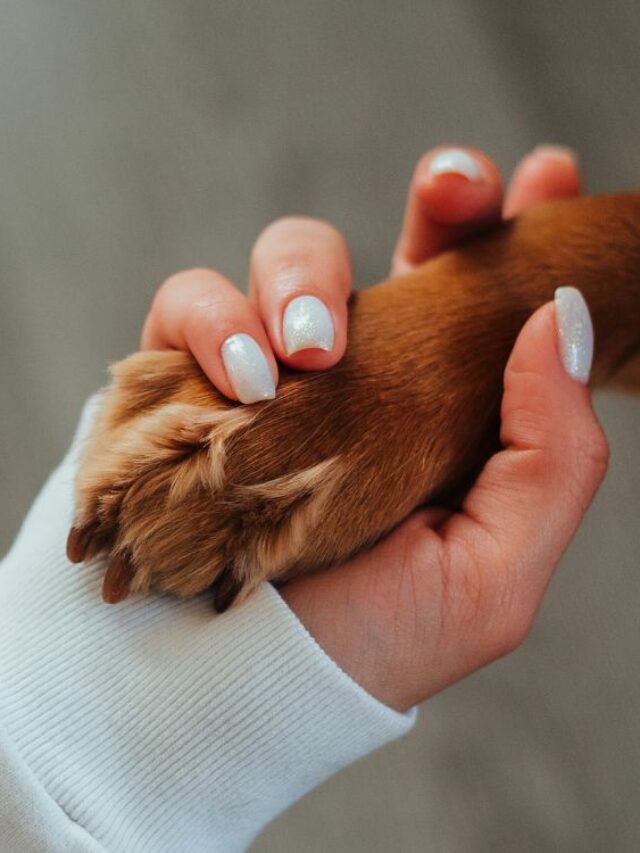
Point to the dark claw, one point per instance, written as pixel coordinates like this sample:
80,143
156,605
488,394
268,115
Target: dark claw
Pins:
117,580
80,543
225,590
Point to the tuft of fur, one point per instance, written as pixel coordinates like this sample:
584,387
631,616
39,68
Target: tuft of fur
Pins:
186,491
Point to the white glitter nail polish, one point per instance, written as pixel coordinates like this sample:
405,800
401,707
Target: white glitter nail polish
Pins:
575,333
248,369
307,324
457,162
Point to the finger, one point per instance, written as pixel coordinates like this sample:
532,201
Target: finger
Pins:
300,280
548,172
530,497
453,192
201,311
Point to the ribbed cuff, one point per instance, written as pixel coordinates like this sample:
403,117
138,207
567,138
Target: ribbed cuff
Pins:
30,820
156,724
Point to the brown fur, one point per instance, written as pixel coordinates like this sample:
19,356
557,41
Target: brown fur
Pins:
187,491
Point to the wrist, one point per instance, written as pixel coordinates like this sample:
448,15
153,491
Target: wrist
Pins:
346,631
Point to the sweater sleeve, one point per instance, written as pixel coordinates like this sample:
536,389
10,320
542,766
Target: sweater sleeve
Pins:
156,725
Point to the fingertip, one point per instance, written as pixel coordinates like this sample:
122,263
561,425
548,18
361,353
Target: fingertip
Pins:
558,337
536,342
307,323
453,192
548,172
202,312
458,186
544,403
300,280
575,333
534,374
314,332
230,344
250,368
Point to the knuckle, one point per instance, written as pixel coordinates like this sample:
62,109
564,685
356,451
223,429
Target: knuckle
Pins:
207,314
203,288
267,262
298,253
198,301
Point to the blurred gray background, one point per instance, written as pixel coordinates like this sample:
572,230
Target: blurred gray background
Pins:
141,137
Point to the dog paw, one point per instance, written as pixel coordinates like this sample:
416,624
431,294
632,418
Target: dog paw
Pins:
184,491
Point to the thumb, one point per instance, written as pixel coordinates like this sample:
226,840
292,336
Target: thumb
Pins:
531,497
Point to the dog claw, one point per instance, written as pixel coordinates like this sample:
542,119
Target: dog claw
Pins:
79,543
117,580
225,591
84,543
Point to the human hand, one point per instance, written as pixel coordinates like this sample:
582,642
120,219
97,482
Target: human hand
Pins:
445,594
200,310
382,617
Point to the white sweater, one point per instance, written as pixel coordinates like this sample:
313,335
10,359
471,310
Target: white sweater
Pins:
155,725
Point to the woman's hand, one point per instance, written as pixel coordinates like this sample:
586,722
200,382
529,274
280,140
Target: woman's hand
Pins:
443,594
295,313
300,273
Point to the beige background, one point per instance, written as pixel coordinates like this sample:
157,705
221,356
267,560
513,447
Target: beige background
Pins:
141,136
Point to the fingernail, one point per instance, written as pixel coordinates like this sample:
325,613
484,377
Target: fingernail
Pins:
575,333
307,324
248,369
455,161
556,152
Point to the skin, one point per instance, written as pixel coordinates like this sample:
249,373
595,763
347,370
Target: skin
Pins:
444,594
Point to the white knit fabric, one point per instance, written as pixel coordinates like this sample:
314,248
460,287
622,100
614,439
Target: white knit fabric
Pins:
156,725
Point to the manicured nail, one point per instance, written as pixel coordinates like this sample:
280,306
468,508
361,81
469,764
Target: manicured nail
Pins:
248,369
307,324
556,152
575,333
455,161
